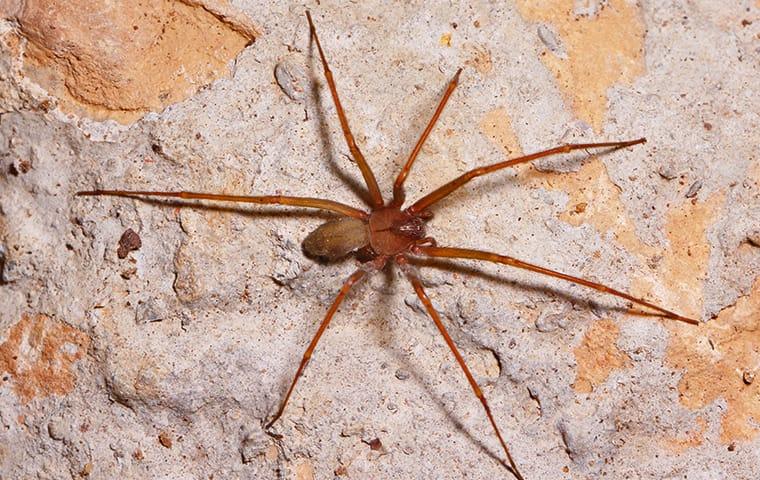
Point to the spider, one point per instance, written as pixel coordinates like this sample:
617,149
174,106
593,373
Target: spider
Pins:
389,233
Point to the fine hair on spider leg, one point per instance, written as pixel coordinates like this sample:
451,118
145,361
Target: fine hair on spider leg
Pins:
389,234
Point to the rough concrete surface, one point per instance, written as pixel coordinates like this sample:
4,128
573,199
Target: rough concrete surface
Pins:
161,352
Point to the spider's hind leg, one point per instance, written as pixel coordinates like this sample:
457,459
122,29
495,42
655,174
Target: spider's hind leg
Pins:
460,360
355,277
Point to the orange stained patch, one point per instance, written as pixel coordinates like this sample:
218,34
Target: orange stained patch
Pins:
121,60
497,126
602,50
721,359
38,353
684,264
478,57
596,201
689,439
682,271
598,355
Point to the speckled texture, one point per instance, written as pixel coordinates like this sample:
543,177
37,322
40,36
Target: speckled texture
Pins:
165,364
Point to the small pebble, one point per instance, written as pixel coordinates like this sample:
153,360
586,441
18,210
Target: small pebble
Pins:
291,79
549,39
128,242
165,439
402,374
668,171
748,377
375,444
753,238
56,430
694,189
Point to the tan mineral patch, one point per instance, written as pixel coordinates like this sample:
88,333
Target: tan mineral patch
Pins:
38,353
682,269
598,355
602,50
689,439
683,266
124,59
304,471
721,359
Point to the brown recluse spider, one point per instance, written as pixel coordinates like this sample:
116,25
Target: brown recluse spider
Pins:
388,234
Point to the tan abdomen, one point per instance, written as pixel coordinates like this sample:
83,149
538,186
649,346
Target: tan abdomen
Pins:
337,238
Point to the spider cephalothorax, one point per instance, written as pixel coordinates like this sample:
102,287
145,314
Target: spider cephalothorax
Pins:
389,234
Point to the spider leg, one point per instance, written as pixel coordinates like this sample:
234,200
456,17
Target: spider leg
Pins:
369,177
449,252
446,189
355,277
318,203
476,389
398,185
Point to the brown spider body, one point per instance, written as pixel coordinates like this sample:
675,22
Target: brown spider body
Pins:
388,234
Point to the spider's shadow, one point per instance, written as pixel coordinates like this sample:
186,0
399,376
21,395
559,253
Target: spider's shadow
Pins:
472,271
383,333
254,212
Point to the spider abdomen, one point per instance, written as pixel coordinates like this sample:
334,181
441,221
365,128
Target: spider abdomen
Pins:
335,239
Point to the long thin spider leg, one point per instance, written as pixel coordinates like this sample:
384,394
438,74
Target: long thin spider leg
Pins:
318,203
446,189
475,388
398,185
310,349
449,252
369,177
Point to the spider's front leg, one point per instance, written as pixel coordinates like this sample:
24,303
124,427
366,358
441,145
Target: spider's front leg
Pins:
398,186
376,197
443,191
